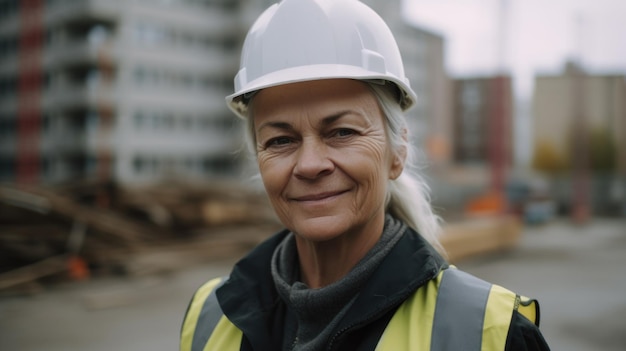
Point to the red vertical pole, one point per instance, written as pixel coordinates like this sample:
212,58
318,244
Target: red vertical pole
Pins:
580,199
29,91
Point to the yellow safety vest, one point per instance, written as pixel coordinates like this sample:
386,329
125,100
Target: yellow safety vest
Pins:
455,311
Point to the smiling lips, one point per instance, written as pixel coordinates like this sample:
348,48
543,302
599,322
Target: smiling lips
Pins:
318,197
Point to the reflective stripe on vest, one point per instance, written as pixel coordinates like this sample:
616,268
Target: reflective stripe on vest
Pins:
459,312
455,311
209,317
205,327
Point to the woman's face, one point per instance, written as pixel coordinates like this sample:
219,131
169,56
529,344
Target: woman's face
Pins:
323,156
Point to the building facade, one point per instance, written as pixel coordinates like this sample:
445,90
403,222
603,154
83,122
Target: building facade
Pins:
126,90
579,133
483,120
564,103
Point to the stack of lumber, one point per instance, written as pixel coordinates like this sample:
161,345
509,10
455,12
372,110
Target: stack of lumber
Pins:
90,228
480,235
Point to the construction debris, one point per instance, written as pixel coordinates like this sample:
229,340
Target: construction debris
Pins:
72,231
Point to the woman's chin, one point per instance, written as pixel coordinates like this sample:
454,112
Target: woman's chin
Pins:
319,229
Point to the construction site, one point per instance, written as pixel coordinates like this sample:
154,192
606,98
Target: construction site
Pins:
119,156
123,185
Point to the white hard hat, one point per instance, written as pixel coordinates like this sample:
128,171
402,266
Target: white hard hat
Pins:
302,40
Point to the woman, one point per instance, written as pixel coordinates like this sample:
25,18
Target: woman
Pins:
323,91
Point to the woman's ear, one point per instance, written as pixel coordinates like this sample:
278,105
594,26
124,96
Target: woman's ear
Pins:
399,158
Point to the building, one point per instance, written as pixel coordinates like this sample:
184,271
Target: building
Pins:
482,120
574,98
126,90
579,128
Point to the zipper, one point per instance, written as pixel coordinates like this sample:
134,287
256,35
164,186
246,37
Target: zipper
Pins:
295,342
381,312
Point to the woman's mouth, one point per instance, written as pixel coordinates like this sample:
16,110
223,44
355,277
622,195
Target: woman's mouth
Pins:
318,196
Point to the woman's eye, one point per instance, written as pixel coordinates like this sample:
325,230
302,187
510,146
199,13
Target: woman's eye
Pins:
343,132
279,141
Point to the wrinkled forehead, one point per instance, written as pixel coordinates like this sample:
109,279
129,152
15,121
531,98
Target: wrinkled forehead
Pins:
321,96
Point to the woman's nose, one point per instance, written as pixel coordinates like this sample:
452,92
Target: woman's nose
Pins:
312,160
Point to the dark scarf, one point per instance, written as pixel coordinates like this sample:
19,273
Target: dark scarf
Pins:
317,311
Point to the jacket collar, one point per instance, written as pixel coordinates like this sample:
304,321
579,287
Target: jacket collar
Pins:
250,301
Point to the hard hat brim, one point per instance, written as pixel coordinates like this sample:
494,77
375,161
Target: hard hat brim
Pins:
239,104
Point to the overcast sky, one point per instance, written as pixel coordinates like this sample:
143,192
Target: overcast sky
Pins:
540,35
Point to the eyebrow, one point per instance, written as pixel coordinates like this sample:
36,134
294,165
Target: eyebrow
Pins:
276,125
333,118
324,122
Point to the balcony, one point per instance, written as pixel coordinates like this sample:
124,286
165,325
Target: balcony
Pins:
76,96
63,142
84,11
80,53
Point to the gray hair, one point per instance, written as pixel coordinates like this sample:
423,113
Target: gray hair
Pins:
408,196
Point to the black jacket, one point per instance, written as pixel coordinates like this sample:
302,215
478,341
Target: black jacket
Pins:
251,302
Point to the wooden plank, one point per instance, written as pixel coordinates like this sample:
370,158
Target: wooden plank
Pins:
479,236
50,266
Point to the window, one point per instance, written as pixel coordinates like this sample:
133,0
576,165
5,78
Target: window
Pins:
8,46
92,165
98,34
140,164
140,120
92,120
7,167
46,122
8,8
219,165
92,78
77,164
46,165
8,85
151,34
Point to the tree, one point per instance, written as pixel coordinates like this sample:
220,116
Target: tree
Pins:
547,159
